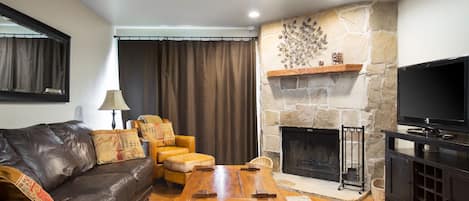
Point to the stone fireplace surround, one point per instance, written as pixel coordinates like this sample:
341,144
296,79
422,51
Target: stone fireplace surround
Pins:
366,34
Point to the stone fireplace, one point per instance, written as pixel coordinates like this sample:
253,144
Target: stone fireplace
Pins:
366,34
311,152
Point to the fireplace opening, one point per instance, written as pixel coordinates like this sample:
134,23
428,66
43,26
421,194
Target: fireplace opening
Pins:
311,152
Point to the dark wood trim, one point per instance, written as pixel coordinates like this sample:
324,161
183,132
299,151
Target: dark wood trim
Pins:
27,21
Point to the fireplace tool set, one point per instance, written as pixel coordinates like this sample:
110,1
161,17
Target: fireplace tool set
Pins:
352,168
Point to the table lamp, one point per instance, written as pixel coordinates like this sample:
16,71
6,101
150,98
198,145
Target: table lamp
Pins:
114,101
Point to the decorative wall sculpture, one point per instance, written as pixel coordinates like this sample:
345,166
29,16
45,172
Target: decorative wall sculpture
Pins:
301,42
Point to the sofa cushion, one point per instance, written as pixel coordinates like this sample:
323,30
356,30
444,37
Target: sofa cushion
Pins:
165,152
117,145
9,157
140,169
77,139
186,162
44,153
97,187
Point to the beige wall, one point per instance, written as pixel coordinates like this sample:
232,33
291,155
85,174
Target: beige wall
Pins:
93,66
432,30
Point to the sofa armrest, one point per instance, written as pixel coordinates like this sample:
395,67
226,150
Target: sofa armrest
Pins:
186,141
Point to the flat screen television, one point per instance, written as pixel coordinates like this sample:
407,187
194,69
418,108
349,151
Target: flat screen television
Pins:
434,95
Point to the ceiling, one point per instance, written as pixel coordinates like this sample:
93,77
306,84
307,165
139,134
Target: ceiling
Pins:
219,13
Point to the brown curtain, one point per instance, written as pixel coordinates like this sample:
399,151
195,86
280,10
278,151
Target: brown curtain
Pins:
207,89
31,64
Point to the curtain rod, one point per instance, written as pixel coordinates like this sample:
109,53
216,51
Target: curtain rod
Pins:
23,35
184,37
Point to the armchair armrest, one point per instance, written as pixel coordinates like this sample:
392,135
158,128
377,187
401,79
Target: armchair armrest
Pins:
186,141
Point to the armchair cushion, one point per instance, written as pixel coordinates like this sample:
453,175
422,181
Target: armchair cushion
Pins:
150,119
165,152
168,134
186,141
152,132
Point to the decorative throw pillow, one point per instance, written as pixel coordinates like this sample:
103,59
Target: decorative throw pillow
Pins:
15,185
152,132
131,146
117,145
169,137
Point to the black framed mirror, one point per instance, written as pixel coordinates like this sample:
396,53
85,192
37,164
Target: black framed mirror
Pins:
34,59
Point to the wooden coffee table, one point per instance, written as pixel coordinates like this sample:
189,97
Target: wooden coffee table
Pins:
229,182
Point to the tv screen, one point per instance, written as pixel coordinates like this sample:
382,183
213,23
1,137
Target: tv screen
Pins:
433,94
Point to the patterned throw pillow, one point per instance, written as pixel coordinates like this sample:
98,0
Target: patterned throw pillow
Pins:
117,145
15,185
152,132
169,137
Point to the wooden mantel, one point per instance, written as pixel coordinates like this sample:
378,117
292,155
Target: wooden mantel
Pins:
316,70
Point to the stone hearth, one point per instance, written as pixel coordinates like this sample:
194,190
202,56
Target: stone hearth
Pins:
366,34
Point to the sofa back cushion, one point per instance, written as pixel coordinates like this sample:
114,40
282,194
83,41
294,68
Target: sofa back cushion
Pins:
44,152
77,139
9,157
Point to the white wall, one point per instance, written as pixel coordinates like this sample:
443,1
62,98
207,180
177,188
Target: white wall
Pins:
432,29
93,66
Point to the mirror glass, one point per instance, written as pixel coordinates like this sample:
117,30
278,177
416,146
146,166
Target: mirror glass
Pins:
31,62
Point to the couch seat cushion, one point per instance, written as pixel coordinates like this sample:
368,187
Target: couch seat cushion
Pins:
140,169
97,187
164,152
186,162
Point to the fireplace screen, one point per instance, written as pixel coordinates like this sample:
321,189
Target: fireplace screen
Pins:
311,152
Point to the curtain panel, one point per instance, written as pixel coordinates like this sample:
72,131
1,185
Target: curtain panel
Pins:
31,64
206,88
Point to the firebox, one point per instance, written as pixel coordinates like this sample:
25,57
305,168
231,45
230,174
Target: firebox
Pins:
311,152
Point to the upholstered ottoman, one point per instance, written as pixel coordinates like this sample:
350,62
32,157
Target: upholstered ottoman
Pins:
177,169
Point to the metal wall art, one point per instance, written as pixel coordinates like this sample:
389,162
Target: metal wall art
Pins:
301,42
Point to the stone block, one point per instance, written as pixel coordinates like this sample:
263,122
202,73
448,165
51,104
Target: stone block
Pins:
303,82
326,118
384,47
374,145
318,96
374,92
271,98
320,81
349,92
288,82
374,69
271,143
355,18
351,118
330,23
302,116
384,16
271,130
272,28
293,97
355,48
270,118
376,168
269,58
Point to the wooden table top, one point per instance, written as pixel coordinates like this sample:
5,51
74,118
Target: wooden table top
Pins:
231,183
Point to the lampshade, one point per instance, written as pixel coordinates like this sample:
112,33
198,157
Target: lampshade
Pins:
114,101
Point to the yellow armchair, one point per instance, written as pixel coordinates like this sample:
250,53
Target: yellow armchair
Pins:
184,145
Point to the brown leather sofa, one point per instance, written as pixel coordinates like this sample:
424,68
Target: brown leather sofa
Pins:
61,157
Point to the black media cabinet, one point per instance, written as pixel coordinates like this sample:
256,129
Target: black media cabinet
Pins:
416,174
